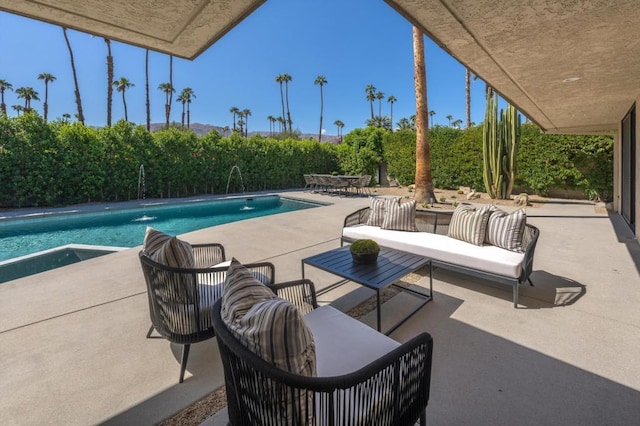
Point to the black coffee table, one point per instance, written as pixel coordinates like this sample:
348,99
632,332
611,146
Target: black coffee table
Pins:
391,266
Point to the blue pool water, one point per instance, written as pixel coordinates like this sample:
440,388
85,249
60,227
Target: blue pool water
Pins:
126,228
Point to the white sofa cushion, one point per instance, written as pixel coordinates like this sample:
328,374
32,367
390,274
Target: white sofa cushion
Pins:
490,259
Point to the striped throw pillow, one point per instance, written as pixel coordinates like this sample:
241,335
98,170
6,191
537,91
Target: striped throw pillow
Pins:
378,208
153,240
241,291
401,216
506,230
469,224
175,253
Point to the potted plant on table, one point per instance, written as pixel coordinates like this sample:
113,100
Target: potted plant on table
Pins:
364,251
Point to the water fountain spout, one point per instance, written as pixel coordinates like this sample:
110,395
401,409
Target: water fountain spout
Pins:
239,174
141,183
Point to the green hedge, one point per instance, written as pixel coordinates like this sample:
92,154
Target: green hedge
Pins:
582,163
58,163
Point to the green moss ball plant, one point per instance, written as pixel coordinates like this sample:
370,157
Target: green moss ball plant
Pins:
364,251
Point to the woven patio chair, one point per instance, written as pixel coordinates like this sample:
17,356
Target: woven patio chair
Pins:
181,299
362,185
391,390
309,183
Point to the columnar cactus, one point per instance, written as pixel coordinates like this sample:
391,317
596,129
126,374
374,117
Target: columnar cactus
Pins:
500,148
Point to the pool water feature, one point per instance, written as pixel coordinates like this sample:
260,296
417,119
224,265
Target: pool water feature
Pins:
126,227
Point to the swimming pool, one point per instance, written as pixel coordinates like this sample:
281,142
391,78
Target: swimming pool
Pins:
126,227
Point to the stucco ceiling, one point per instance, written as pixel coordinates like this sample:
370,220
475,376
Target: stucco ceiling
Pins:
183,28
526,50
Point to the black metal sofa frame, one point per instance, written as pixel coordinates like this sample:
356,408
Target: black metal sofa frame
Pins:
392,390
437,222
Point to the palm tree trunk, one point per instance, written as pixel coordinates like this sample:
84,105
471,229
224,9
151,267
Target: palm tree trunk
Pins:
146,72
468,92
75,78
286,89
321,107
188,116
170,99
124,102
282,101
183,116
46,99
424,183
109,80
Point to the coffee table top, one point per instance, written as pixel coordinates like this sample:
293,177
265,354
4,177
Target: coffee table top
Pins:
391,266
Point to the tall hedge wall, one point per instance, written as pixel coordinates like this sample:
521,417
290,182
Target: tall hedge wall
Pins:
582,163
58,163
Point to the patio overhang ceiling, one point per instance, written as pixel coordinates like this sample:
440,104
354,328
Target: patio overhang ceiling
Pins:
571,66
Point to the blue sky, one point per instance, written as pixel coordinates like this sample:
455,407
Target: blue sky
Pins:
352,43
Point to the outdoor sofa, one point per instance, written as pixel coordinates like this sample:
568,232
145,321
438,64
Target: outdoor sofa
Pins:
482,241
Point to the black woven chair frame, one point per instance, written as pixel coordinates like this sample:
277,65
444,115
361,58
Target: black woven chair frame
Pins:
393,390
181,299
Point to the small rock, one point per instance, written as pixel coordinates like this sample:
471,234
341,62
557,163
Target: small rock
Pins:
522,199
473,195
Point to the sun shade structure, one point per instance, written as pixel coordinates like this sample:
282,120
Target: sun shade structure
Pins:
183,28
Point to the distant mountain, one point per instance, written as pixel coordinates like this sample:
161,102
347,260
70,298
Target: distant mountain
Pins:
202,129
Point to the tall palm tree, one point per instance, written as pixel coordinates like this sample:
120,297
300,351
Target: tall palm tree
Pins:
226,130
391,99
339,124
241,122
287,78
17,108
246,113
171,83
4,85
423,181
431,114
183,100
282,124
189,94
321,81
467,90
370,90
79,115
109,80
146,88
457,123
122,85
234,111
380,97
280,80
28,94
449,117
167,89
272,121
47,78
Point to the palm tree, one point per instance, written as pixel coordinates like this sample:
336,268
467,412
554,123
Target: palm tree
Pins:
234,111
171,83
321,81
283,125
4,85
287,78
423,180
449,117
122,85
380,97
370,90
391,99
404,124
182,99
226,130
66,116
339,124
456,123
272,121
80,115
48,78
17,108
109,80
190,94
27,93
280,80
241,122
431,114
246,113
167,89
379,121
146,88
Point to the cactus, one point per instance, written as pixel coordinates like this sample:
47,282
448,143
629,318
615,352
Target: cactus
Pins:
500,148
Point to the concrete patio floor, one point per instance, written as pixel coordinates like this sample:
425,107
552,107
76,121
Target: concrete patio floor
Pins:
73,349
